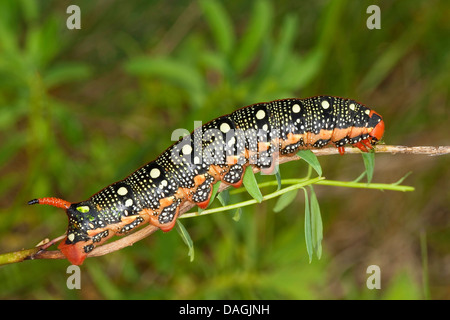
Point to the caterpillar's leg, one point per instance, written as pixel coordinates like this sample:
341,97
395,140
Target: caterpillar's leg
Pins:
367,143
165,218
168,217
75,252
361,146
234,175
203,193
361,141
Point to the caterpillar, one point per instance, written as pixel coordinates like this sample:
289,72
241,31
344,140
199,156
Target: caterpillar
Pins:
220,150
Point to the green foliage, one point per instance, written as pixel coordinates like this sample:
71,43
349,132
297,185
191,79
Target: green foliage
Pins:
81,109
313,225
186,239
311,159
369,164
284,200
251,185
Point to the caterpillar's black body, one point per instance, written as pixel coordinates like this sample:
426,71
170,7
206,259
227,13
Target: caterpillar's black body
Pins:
218,151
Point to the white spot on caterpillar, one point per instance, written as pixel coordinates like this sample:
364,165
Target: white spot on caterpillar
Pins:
155,173
225,127
367,111
187,149
260,114
71,237
129,203
295,108
122,191
196,161
352,106
325,104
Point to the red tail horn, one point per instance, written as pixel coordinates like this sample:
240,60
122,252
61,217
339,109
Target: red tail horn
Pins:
60,203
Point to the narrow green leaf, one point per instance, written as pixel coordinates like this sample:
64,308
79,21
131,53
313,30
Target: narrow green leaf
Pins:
308,235
401,179
316,224
251,185
215,188
224,197
360,177
29,10
259,26
68,72
214,192
283,47
311,159
278,176
369,163
284,200
186,239
303,70
176,72
220,24
237,214
216,62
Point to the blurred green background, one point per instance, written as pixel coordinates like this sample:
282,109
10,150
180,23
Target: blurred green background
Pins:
80,109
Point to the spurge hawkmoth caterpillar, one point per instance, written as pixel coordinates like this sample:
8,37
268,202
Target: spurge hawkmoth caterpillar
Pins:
220,150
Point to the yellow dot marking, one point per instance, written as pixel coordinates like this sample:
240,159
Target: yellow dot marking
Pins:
225,127
187,149
325,104
155,173
122,191
260,114
296,108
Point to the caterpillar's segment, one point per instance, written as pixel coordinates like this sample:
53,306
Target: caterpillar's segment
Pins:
166,218
234,175
203,190
221,150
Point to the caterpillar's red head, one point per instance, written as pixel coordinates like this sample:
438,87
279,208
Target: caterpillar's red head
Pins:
376,122
76,241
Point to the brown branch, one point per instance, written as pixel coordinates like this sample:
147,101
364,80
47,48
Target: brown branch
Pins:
40,252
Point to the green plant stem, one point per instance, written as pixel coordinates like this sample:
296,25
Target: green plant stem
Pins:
379,186
346,184
18,256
